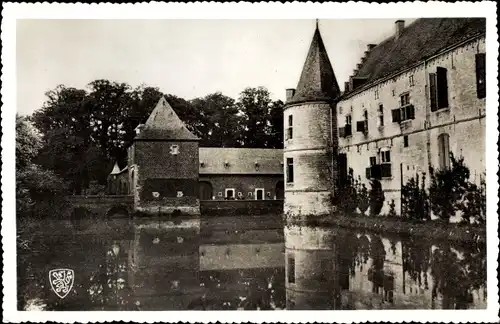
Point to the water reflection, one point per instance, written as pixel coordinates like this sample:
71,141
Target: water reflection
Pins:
165,266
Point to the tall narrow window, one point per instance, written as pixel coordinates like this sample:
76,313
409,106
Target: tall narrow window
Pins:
481,75
380,115
376,94
438,85
412,82
442,86
290,127
444,150
405,141
289,170
348,128
291,269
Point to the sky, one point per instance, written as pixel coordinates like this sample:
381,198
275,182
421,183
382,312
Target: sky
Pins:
186,58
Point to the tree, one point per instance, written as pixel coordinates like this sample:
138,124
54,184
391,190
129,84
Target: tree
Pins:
376,197
448,186
260,118
415,200
39,192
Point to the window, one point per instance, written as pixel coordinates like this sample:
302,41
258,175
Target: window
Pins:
291,269
444,150
393,92
410,79
362,126
405,141
340,110
380,115
347,129
481,75
385,164
385,156
289,170
230,194
373,160
290,127
405,112
259,194
174,149
438,85
376,94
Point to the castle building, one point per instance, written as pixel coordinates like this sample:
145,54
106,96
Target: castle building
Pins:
413,99
167,171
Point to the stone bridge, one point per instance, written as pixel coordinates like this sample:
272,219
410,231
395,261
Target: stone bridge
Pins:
101,207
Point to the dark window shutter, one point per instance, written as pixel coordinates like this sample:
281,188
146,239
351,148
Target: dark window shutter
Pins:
386,170
376,171
481,75
360,126
411,112
341,131
368,173
433,91
348,130
442,85
396,115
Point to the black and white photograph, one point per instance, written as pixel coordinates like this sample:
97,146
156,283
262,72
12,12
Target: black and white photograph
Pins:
242,164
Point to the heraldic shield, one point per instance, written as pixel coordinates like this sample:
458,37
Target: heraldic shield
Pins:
61,281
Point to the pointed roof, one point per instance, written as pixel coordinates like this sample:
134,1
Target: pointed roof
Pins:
116,169
317,81
164,124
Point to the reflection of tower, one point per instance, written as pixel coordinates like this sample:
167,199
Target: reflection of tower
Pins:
310,143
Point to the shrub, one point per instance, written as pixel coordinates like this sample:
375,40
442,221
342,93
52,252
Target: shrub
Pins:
376,198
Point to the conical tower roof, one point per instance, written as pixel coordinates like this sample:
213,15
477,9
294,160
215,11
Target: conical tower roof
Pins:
317,81
164,124
116,169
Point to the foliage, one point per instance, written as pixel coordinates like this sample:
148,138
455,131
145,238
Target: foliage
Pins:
85,131
376,197
346,198
392,209
363,197
451,191
415,200
38,191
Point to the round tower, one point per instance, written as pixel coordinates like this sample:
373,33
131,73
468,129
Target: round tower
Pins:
309,149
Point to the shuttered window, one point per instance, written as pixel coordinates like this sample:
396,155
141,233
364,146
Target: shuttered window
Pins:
289,170
396,115
433,91
481,75
442,87
444,150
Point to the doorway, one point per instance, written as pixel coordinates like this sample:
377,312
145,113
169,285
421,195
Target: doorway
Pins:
259,194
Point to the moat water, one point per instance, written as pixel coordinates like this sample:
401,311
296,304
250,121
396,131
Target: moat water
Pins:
236,263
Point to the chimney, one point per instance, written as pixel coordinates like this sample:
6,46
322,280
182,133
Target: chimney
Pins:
400,25
370,46
346,86
289,94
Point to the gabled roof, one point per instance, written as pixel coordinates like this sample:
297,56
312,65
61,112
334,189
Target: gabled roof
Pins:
420,40
317,81
164,124
240,161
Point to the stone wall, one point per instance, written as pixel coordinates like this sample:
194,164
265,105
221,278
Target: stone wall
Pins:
464,121
246,184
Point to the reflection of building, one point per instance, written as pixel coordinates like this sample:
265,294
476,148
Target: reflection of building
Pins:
167,171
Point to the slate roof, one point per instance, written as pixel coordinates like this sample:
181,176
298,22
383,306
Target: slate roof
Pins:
423,38
317,81
240,160
164,124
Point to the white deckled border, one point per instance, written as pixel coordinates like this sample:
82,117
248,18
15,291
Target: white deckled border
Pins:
11,12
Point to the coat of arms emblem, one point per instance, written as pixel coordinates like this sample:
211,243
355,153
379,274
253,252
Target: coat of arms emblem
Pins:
61,281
